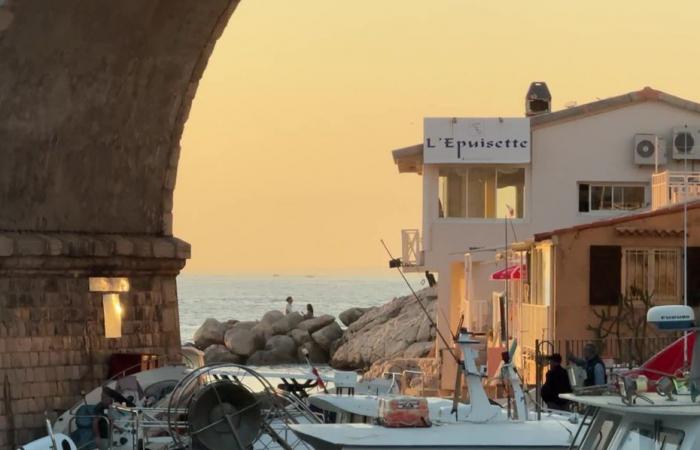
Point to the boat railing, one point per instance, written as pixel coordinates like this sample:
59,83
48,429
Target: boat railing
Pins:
589,415
299,407
401,381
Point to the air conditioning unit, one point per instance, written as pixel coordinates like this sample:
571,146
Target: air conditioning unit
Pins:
649,149
686,143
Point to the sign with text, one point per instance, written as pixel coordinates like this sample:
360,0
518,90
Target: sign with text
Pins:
476,140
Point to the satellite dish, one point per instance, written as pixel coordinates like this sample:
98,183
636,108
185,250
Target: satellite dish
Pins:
645,148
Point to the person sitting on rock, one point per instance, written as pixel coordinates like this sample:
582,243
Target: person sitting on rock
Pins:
289,308
309,312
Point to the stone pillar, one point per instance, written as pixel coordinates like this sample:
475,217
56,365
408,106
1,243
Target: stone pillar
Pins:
52,342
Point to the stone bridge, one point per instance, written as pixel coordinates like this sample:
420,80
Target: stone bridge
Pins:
94,95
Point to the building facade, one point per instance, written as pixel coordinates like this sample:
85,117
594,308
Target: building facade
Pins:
594,282
586,163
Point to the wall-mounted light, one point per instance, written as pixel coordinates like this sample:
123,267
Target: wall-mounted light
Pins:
111,305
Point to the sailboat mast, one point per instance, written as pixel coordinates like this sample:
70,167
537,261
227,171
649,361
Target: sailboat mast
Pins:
685,241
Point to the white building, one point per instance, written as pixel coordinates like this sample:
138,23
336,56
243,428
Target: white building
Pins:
584,163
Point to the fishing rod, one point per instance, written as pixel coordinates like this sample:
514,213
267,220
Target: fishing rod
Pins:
422,306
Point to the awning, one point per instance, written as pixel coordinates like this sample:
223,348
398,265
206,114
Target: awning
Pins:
511,273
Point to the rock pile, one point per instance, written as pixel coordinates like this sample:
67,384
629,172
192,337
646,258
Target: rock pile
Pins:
274,339
398,329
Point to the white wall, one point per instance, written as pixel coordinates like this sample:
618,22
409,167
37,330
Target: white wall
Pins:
594,148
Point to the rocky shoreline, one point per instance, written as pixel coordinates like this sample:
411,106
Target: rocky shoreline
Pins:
397,329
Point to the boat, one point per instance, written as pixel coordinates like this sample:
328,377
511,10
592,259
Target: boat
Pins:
205,408
478,425
626,416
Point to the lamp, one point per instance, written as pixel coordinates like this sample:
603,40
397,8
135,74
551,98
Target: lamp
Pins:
111,305
665,387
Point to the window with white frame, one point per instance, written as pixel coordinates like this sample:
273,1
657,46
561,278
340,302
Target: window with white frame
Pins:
654,271
594,197
482,192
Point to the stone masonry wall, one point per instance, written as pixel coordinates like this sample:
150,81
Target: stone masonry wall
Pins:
52,342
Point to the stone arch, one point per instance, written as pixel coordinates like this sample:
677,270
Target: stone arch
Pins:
94,95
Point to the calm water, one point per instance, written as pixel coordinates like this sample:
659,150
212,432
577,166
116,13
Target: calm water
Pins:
248,298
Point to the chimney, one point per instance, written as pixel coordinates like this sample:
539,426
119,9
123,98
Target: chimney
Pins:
538,99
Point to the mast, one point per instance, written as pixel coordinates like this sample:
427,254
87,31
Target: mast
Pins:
685,241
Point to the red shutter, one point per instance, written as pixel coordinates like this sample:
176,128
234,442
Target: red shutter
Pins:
605,274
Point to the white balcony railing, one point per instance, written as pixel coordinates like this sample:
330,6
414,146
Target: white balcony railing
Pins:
534,325
669,188
411,250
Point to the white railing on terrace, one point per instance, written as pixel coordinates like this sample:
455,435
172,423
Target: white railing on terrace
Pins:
534,325
669,188
411,250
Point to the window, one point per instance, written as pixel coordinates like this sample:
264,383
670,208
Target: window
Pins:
641,437
610,197
653,271
601,432
540,274
481,192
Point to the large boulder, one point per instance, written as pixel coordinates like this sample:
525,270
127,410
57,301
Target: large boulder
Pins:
211,332
270,358
387,332
220,354
315,352
272,316
316,323
247,324
263,330
352,315
281,344
327,335
243,341
287,323
299,336
419,349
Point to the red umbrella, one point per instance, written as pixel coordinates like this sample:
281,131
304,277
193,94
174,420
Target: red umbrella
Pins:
511,273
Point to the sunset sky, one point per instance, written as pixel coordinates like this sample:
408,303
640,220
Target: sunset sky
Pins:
286,164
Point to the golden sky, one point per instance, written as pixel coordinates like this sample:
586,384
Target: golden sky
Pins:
286,163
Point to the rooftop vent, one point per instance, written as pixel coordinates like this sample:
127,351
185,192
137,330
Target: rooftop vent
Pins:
538,99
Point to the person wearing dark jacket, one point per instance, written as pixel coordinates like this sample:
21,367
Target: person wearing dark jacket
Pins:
594,366
556,382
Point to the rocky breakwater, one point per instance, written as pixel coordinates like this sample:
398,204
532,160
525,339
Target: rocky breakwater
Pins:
274,339
398,329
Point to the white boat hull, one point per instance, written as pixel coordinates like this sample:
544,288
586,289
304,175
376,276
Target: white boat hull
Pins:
545,434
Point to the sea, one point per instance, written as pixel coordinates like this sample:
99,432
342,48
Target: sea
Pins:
225,297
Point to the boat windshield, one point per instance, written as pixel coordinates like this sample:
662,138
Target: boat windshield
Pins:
601,432
641,437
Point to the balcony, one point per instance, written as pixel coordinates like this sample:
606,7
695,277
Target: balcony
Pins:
411,251
670,188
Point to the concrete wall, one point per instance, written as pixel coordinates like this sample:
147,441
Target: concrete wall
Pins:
572,310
